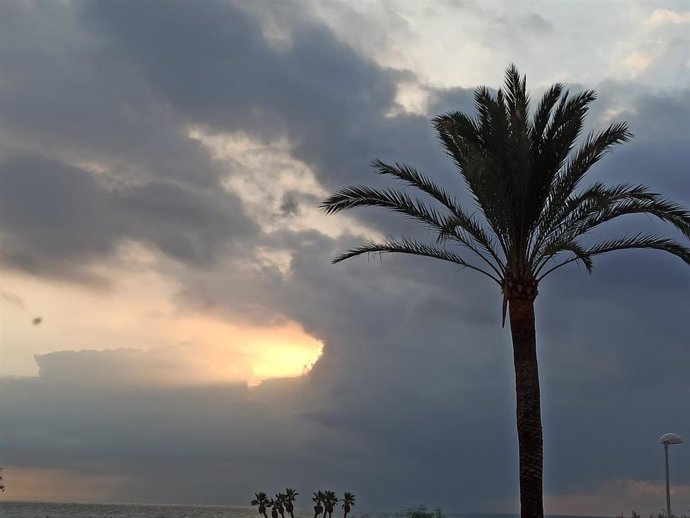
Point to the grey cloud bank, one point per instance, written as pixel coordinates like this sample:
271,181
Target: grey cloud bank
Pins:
96,101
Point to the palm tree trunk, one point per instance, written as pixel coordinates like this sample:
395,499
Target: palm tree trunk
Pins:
528,406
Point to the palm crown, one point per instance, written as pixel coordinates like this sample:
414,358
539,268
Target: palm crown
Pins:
329,501
278,502
524,174
290,496
318,499
348,501
261,500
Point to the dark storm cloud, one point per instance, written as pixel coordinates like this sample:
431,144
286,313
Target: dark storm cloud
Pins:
91,156
329,101
224,442
55,215
42,204
118,92
181,365
413,399
92,104
659,154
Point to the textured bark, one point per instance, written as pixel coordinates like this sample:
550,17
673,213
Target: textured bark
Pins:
521,309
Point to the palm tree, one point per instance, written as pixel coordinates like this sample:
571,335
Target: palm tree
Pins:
274,508
261,499
318,499
329,502
348,501
279,500
290,496
524,174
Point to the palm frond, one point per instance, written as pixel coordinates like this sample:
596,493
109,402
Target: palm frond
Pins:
362,196
472,230
658,207
516,97
461,227
578,254
642,241
565,183
411,247
553,136
474,148
472,236
542,115
590,203
609,204
635,241
580,223
416,179
566,123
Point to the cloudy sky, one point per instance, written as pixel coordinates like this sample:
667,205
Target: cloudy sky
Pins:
172,328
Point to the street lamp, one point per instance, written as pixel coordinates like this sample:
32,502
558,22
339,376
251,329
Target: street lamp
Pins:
666,439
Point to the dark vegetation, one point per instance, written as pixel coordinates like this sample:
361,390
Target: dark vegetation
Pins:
324,503
660,514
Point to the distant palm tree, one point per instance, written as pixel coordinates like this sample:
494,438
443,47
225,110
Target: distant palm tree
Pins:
261,499
329,502
525,176
318,499
348,502
290,496
279,501
274,508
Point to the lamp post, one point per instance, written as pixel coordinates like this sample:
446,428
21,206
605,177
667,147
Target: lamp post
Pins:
666,439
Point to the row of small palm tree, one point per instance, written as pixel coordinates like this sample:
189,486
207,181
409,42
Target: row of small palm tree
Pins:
279,504
324,503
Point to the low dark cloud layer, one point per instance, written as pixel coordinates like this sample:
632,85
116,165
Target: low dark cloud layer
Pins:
58,217
412,400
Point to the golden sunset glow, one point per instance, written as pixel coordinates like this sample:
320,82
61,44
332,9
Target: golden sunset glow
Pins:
61,485
138,313
285,359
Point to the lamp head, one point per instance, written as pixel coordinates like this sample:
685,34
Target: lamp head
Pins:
670,438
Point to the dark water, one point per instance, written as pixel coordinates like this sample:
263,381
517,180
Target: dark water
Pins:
53,510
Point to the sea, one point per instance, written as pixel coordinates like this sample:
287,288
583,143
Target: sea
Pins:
60,510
